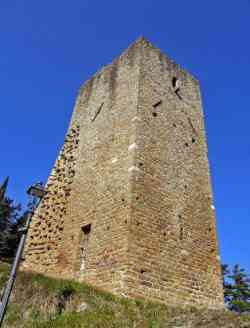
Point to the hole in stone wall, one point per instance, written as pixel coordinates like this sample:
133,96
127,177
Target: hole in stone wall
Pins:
108,228
123,200
143,271
126,221
185,186
140,164
174,82
86,229
154,114
186,144
174,125
193,140
176,87
137,197
181,233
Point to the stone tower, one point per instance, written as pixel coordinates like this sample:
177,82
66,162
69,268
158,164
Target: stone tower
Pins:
129,205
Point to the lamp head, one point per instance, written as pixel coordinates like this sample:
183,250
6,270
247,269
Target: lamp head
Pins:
37,190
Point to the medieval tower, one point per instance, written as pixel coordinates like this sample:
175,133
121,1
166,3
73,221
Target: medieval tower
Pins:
129,205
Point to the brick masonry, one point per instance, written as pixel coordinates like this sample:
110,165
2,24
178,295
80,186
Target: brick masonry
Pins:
129,206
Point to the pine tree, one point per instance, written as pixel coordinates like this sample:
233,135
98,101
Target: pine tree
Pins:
240,292
3,189
227,286
236,288
9,217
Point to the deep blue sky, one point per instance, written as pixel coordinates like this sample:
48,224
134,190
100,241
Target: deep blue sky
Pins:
48,48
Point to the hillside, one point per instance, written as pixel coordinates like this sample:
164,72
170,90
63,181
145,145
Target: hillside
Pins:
41,302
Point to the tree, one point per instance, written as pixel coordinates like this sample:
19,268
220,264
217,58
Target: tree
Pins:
236,285
9,222
227,287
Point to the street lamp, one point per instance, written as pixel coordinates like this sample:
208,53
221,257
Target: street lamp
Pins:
36,192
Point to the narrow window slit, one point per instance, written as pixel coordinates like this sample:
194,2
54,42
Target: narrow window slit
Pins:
158,103
86,229
97,112
181,233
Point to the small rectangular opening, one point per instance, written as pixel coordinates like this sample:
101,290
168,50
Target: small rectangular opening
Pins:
86,229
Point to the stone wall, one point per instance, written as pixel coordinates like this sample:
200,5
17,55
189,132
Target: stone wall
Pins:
47,229
129,205
173,246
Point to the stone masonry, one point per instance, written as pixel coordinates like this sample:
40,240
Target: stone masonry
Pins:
129,205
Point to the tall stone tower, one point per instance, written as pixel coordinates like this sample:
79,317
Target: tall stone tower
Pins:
129,205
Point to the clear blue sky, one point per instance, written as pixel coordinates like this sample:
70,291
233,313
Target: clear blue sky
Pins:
48,48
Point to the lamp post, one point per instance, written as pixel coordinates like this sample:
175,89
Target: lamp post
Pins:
36,192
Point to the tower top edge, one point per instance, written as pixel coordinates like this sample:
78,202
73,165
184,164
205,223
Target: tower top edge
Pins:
141,41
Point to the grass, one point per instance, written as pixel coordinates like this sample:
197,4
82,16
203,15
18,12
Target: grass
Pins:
42,302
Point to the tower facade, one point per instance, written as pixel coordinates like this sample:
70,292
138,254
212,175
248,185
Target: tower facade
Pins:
129,204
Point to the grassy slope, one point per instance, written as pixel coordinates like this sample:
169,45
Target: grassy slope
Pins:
40,302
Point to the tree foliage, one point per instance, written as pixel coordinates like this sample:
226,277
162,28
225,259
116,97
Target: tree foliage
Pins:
9,223
236,283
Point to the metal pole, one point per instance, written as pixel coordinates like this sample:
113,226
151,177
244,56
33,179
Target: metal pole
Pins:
12,278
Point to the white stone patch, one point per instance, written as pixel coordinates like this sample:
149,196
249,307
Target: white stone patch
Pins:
133,146
133,168
82,307
136,118
212,207
184,252
114,160
82,268
218,257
